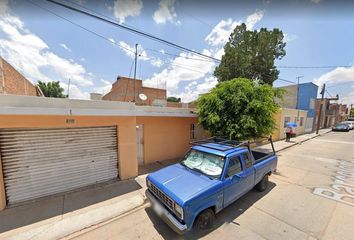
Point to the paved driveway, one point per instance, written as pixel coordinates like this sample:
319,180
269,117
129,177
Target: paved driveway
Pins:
311,197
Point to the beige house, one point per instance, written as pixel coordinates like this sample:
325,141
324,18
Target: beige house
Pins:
285,115
49,145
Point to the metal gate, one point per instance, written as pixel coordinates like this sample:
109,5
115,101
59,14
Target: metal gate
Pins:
140,143
42,162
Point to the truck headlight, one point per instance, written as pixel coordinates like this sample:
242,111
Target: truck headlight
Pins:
179,210
148,183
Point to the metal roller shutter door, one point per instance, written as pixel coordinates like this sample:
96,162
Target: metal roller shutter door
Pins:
42,162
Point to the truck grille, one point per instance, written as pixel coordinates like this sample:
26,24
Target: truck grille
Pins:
163,197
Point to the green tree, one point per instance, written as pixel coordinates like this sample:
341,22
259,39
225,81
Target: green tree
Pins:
351,112
251,54
52,89
173,99
239,109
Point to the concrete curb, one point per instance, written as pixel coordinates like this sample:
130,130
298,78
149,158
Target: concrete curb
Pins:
69,223
297,143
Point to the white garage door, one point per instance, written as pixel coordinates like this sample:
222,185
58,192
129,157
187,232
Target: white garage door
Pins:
42,162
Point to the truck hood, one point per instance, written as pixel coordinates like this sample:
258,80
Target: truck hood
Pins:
180,183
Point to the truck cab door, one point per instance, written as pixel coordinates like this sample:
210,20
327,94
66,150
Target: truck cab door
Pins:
234,181
249,171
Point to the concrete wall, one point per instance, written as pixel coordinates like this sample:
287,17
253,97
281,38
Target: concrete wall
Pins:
307,98
279,117
290,96
165,137
292,113
13,82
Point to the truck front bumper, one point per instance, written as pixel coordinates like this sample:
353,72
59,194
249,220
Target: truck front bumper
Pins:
165,215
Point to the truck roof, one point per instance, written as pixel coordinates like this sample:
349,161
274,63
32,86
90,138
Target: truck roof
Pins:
218,148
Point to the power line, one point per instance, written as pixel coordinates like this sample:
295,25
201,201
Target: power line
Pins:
285,80
138,32
80,26
175,55
313,67
340,84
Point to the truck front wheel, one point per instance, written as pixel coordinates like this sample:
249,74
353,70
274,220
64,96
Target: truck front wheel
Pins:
205,220
263,184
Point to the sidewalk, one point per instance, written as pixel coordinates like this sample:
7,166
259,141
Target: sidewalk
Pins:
282,144
58,216
64,215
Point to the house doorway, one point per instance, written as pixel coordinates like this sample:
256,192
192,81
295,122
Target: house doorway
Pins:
140,143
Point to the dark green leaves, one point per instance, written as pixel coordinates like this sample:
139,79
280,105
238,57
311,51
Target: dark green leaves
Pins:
251,54
52,89
239,108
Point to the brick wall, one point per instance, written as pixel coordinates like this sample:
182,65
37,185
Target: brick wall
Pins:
123,90
13,82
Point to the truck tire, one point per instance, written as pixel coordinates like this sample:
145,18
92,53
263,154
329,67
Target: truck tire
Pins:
263,184
205,220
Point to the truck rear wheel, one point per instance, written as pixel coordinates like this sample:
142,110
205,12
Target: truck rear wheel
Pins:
205,220
263,184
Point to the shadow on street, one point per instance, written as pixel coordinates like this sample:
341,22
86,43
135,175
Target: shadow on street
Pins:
48,207
227,215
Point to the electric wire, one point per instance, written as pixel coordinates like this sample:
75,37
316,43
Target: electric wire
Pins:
133,30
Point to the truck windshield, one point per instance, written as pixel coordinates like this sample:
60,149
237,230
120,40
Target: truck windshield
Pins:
208,164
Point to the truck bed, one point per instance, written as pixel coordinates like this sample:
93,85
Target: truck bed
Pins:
260,156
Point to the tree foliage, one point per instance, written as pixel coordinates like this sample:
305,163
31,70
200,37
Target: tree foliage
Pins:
251,54
173,99
351,112
239,109
52,89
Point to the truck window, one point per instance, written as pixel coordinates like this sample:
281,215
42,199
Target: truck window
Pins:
234,166
247,159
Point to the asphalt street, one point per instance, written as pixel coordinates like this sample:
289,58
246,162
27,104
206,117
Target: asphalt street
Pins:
310,197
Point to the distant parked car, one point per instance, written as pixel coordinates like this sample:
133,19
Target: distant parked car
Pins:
350,123
341,127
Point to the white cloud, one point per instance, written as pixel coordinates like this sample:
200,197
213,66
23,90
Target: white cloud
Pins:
75,92
130,51
289,37
82,59
157,62
105,88
194,89
63,45
254,18
112,40
32,56
348,99
127,8
181,69
337,75
222,31
166,12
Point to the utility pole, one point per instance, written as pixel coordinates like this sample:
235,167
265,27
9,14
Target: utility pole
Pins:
136,60
297,96
320,112
69,88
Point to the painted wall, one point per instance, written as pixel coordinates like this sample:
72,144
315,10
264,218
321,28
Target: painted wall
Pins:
279,117
292,113
289,98
307,98
128,166
165,138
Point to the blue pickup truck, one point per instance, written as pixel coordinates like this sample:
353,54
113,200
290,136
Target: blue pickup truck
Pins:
213,174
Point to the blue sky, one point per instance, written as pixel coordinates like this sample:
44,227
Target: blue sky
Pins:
46,47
